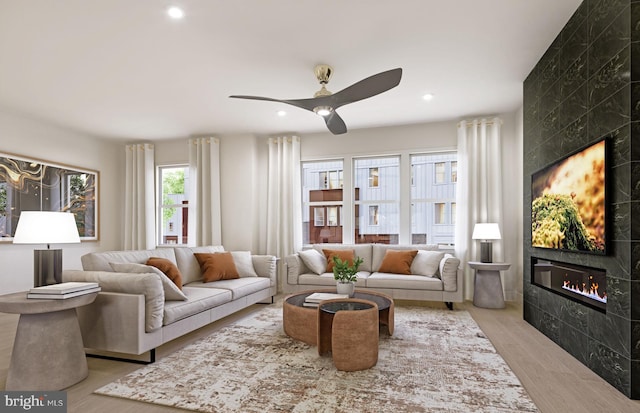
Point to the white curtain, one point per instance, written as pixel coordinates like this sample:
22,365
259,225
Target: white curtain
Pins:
479,189
284,197
139,211
204,192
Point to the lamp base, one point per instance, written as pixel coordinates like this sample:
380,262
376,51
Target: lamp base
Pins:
486,251
47,267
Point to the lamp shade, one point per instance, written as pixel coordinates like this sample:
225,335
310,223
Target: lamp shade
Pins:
45,227
486,231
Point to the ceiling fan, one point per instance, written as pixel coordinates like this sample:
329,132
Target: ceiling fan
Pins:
325,103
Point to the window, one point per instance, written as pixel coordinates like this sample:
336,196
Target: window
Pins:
433,199
174,204
373,177
330,179
453,213
373,214
380,190
439,172
318,216
439,209
377,187
321,201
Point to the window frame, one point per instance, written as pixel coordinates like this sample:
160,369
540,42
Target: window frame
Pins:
161,206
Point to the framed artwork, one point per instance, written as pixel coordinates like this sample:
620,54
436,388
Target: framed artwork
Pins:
28,184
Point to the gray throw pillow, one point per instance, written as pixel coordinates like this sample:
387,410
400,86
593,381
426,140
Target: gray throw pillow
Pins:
244,263
314,260
171,291
426,263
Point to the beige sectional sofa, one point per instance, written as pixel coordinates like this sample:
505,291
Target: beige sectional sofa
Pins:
139,309
435,273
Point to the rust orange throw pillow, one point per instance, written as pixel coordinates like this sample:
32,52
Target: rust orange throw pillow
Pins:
168,268
348,255
398,262
217,266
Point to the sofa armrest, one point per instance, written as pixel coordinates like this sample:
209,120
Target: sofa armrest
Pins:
449,272
294,266
148,285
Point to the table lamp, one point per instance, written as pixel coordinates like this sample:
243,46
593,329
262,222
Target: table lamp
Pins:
486,232
45,227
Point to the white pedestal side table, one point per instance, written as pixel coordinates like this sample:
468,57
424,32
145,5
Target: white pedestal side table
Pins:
48,353
487,286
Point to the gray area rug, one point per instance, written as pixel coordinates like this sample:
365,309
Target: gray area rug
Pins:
436,361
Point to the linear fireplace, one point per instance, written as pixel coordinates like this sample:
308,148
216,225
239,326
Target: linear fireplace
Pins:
576,282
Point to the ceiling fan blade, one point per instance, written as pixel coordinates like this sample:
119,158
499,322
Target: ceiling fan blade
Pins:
307,104
335,123
366,88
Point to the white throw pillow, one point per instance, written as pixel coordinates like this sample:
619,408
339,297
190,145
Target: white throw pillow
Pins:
244,263
314,260
426,263
171,291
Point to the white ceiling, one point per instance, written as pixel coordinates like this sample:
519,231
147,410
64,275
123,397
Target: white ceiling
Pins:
123,69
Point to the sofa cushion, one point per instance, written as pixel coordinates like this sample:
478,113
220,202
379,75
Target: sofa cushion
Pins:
244,263
171,291
314,260
344,255
239,287
360,250
398,262
99,261
188,264
427,263
403,282
198,300
217,266
328,280
168,268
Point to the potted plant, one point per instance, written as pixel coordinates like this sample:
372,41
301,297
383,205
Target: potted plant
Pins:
345,275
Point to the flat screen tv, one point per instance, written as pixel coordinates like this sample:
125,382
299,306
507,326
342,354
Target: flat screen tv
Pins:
568,202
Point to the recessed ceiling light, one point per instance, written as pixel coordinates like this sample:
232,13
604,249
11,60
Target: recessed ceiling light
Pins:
175,12
428,96
282,113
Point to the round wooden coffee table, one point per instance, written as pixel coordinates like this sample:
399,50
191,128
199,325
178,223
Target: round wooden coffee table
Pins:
301,322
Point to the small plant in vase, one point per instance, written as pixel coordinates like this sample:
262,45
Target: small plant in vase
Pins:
345,275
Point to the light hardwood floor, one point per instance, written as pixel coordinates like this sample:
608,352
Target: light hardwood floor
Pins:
555,380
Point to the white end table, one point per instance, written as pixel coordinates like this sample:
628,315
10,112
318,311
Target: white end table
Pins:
48,353
487,285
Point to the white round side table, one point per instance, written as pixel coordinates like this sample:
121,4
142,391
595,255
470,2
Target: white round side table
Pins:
48,353
487,286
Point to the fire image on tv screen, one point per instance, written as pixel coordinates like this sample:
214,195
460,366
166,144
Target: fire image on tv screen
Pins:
568,202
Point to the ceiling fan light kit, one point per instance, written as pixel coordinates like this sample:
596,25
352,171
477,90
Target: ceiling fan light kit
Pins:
325,103
323,110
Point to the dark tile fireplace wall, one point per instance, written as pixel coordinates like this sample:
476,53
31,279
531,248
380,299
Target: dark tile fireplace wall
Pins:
587,85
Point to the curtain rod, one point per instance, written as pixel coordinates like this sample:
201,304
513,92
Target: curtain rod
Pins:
489,122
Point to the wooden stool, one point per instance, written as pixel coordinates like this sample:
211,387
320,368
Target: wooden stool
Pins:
349,329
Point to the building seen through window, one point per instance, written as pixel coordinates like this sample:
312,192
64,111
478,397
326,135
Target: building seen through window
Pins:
376,185
173,213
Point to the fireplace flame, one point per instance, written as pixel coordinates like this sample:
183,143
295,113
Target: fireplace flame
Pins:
590,290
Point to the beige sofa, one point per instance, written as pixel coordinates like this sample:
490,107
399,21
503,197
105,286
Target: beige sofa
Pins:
435,273
139,310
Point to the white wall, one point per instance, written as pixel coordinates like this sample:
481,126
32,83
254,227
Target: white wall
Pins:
31,138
